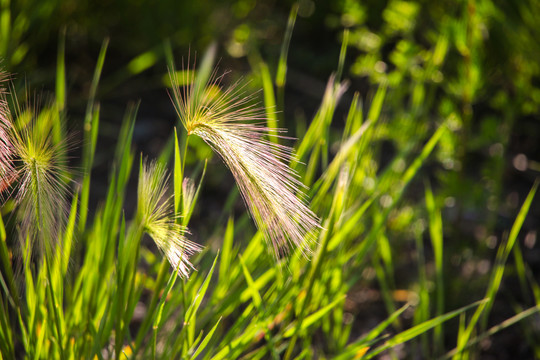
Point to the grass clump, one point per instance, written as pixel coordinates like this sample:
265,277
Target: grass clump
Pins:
385,275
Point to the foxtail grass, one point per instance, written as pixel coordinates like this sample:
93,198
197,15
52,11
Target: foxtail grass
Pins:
7,172
156,216
230,121
36,165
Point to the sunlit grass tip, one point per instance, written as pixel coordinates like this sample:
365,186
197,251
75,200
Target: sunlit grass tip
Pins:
36,165
156,214
232,122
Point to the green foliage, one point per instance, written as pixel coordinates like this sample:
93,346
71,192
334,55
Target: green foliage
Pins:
391,247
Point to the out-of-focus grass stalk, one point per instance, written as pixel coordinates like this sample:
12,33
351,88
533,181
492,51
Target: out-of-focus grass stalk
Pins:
91,125
436,234
503,252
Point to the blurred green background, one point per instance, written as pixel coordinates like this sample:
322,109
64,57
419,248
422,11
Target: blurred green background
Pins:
473,64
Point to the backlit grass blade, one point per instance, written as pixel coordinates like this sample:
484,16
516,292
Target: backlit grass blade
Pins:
157,299
331,172
194,306
323,118
342,54
375,107
206,66
7,270
204,343
226,259
313,318
258,303
496,277
69,235
436,234
423,310
408,175
419,329
5,27
91,125
254,292
6,335
178,175
269,101
60,97
258,284
159,314
361,346
89,149
281,73
320,256
95,81
493,330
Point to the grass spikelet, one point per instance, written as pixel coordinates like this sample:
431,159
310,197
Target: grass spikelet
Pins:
40,168
231,122
188,193
7,172
35,164
156,215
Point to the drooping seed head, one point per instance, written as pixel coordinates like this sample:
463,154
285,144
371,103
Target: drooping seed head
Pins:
155,213
231,123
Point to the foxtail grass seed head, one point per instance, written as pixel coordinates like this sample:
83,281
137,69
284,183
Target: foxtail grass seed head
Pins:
231,122
7,171
30,159
42,183
188,193
155,213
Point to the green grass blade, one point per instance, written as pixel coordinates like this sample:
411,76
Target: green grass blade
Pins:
157,321
375,108
493,330
206,67
323,185
205,341
408,175
192,309
95,81
361,346
436,234
313,318
342,54
91,122
281,73
6,335
269,101
5,27
226,259
61,74
420,329
7,270
253,291
318,129
178,176
156,296
498,271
